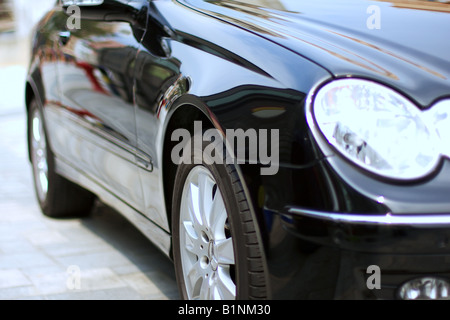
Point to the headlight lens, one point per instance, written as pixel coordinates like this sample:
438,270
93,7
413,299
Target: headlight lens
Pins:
376,128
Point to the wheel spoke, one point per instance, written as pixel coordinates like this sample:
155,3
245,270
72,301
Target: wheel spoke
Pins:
43,180
194,204
225,285
36,129
205,186
217,217
191,237
205,290
194,276
215,293
190,231
225,252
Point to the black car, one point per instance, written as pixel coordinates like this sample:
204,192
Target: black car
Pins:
274,149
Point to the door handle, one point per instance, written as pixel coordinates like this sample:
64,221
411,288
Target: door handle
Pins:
64,37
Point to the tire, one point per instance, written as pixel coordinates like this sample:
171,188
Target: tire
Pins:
57,196
220,258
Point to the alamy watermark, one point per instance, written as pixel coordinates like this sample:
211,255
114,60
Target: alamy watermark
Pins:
74,12
240,147
374,20
74,20
374,280
74,278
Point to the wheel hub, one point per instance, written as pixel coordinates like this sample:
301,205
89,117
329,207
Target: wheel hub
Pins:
211,255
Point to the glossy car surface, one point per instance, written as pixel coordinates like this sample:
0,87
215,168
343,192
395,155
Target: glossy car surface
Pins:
109,95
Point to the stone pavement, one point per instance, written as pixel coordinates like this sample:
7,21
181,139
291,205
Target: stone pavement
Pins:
99,257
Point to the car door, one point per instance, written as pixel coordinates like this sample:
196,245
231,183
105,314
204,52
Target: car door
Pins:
157,75
95,126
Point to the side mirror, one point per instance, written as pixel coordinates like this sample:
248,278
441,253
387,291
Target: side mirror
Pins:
105,10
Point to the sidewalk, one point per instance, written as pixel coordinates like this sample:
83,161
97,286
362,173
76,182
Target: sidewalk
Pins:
100,257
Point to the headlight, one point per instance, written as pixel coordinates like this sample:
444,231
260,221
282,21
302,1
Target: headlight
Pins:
376,128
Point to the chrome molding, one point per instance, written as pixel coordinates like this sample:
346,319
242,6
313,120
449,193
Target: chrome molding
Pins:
143,160
371,219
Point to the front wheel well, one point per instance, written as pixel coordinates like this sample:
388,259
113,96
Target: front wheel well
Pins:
183,118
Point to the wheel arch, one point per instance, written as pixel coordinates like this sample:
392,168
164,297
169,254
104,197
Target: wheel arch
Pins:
181,116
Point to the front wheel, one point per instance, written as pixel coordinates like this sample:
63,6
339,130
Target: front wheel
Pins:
217,252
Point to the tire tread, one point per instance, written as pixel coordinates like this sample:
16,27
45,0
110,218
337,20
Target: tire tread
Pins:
255,259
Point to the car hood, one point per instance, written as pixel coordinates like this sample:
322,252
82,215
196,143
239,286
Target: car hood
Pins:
404,44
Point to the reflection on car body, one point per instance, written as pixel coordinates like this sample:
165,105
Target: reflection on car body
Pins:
363,173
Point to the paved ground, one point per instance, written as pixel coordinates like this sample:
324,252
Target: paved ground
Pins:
100,257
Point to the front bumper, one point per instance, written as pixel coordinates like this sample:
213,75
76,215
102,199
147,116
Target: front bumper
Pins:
333,253
350,221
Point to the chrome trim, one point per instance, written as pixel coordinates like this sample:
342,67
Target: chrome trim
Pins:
323,144
371,219
144,160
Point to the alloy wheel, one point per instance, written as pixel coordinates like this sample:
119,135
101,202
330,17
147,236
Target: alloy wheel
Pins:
207,252
39,155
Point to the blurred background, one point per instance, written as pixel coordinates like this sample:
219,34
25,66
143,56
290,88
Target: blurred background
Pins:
17,18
